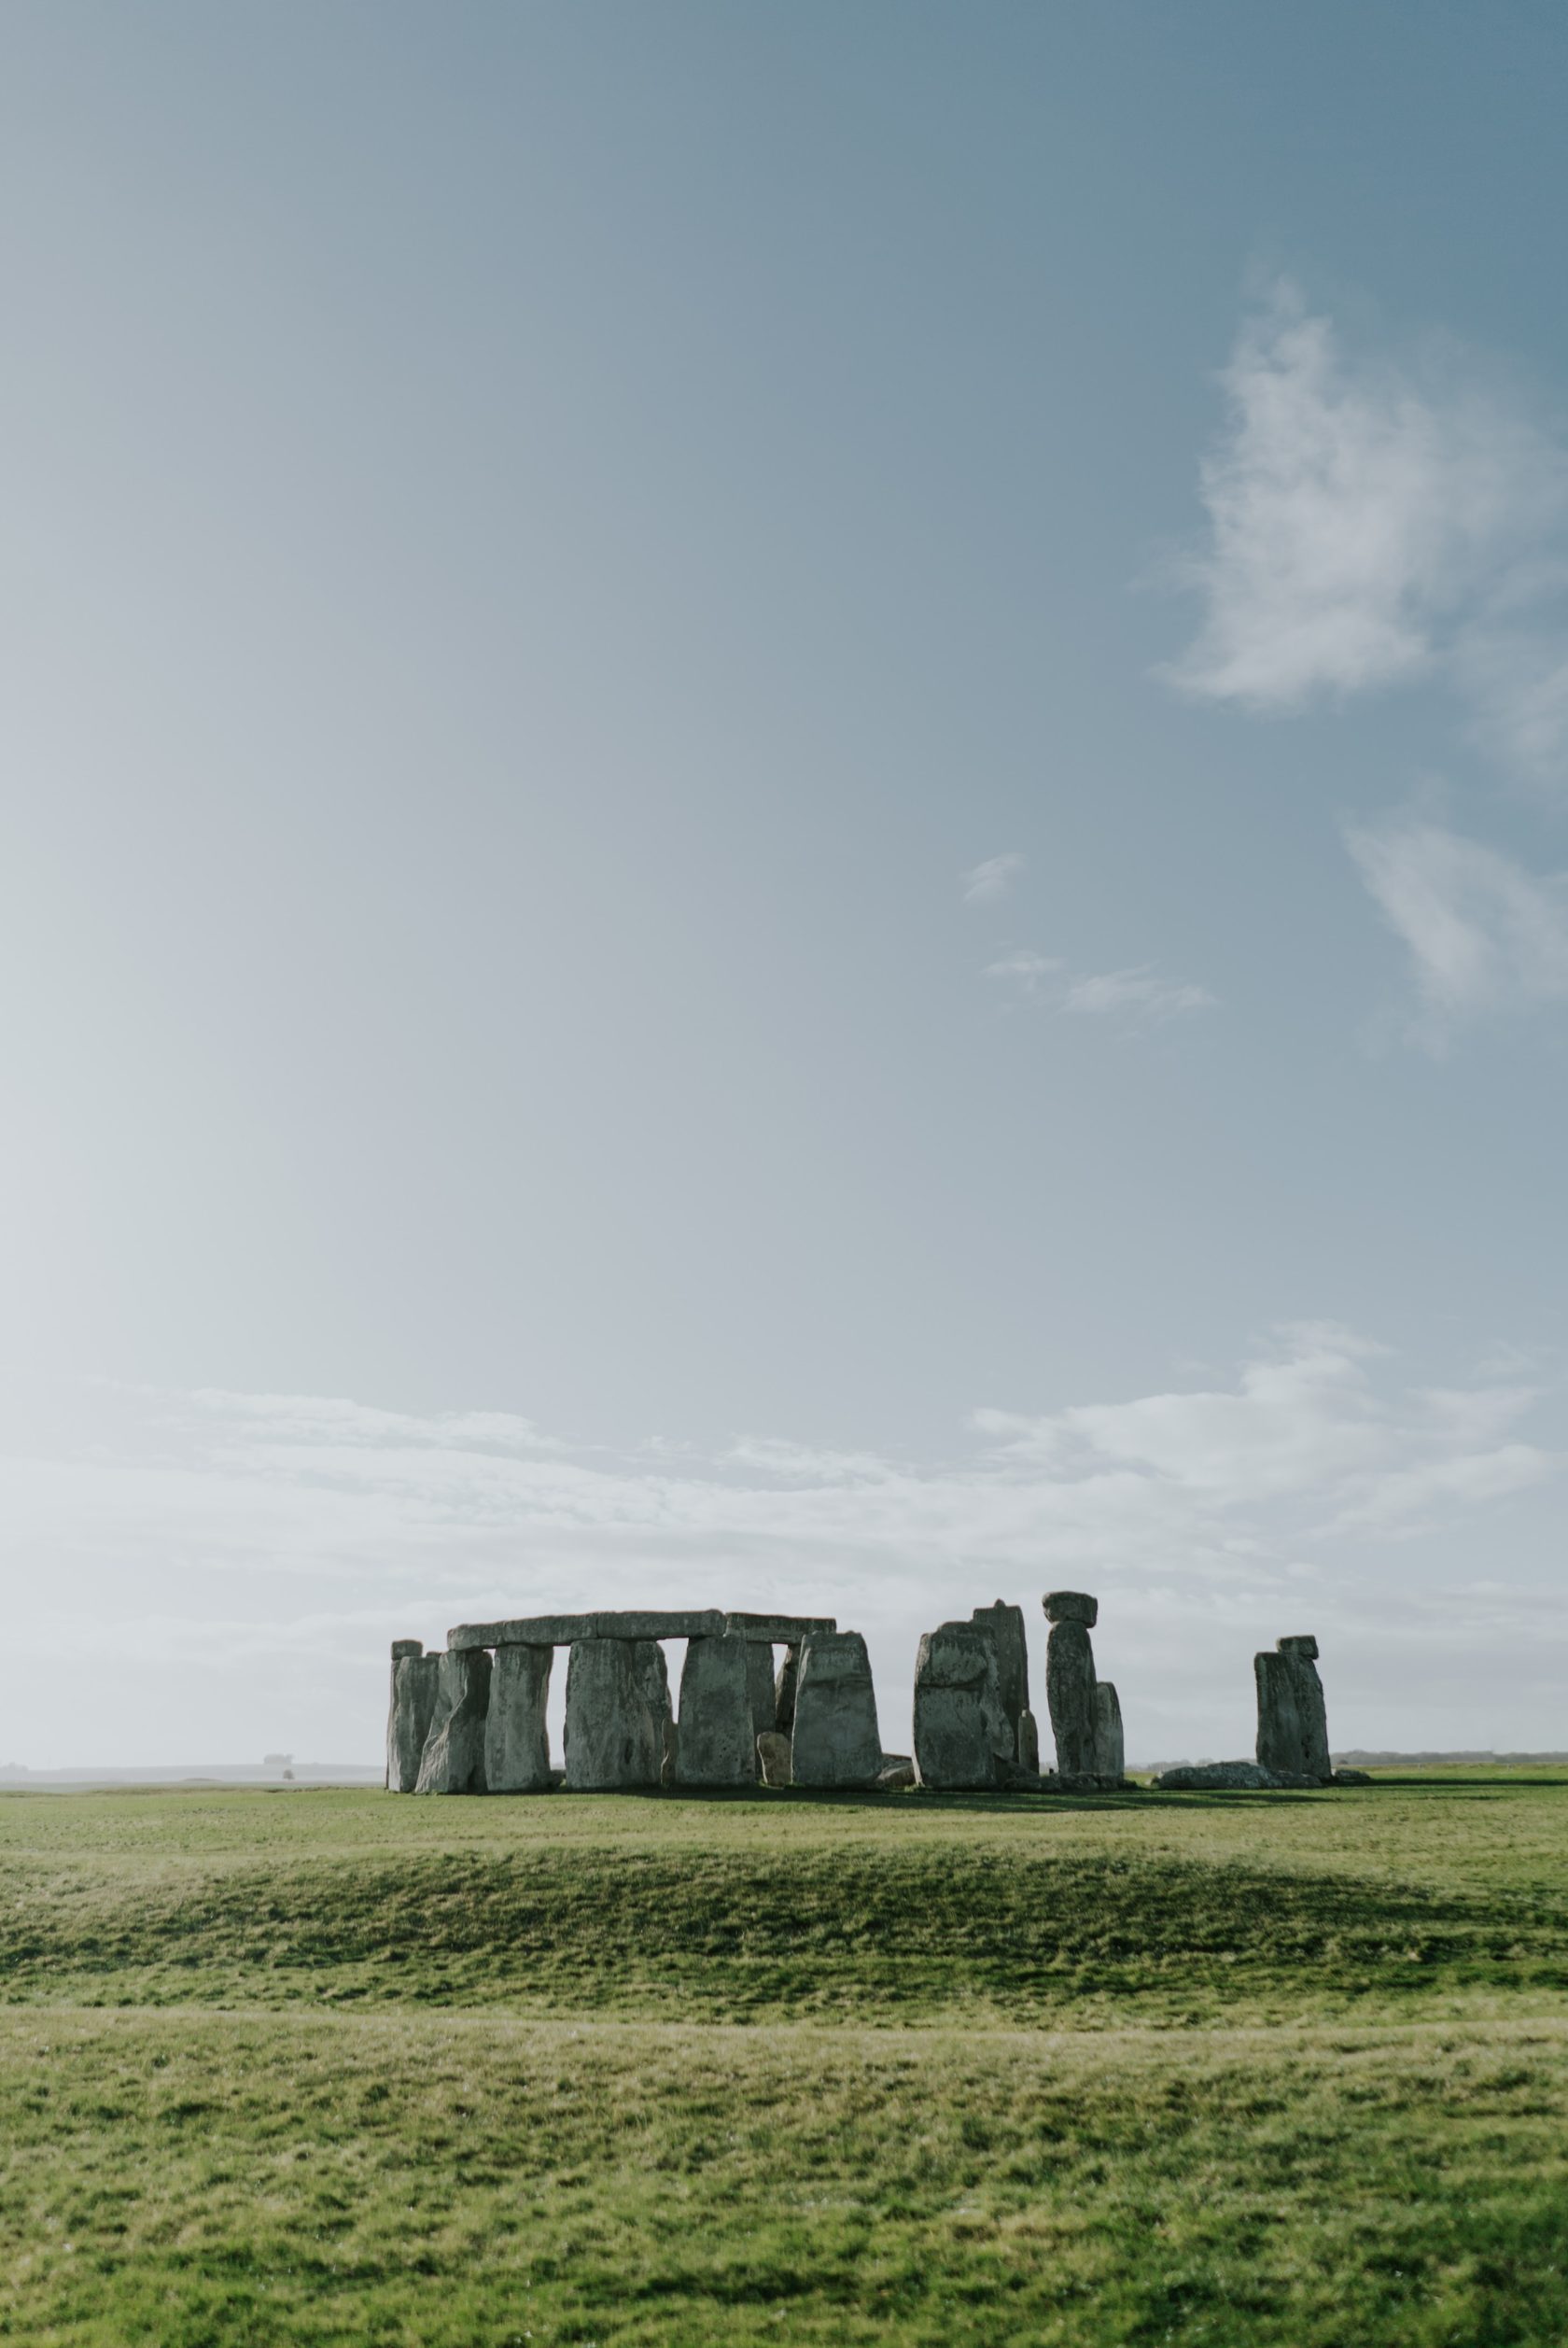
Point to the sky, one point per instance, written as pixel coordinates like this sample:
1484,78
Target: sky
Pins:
783,821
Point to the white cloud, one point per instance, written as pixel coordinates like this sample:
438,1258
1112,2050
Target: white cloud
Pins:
985,882
1370,521
1484,935
1142,992
1139,998
257,1552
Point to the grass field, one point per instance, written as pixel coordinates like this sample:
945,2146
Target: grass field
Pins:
292,2066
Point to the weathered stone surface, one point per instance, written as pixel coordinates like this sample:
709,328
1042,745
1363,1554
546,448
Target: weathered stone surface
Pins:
961,1731
758,1684
718,1741
779,1630
525,1630
1070,1692
1029,1745
896,1773
454,1757
1352,1777
1109,1755
614,1735
653,1677
1006,1624
1071,1606
835,1740
564,1630
516,1742
650,1622
1293,1721
414,1679
669,1765
1302,1643
772,1757
1217,1776
784,1692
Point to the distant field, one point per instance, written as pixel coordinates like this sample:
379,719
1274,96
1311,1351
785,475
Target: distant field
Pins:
325,2066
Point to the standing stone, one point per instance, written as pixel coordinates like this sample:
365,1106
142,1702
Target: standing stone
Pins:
412,1707
653,1677
718,1741
1029,1745
1070,1682
835,1740
516,1741
1110,1757
454,1757
784,1692
773,1756
1293,1719
962,1732
758,1684
1006,1624
615,1726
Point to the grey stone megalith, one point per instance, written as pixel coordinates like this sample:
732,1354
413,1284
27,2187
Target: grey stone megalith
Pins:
759,1685
963,1738
1006,1624
454,1756
1293,1719
1069,1683
772,1757
1110,1757
836,1741
516,1741
414,1675
718,1743
615,1729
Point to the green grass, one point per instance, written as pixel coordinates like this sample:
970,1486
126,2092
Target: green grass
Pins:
329,2067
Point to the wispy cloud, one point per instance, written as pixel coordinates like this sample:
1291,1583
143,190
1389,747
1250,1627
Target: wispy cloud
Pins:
1483,934
1139,998
1139,993
984,883
279,1542
1370,521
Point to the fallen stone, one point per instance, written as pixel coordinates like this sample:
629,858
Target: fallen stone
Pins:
896,1773
772,1757
1216,1776
516,1742
1353,1777
1070,1692
452,1761
835,1740
1071,1606
718,1741
414,1680
614,1736
963,1734
1110,1757
758,1684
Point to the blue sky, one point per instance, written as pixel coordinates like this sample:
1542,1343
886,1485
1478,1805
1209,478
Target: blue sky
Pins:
784,810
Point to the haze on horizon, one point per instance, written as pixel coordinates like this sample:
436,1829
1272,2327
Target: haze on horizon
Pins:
784,825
